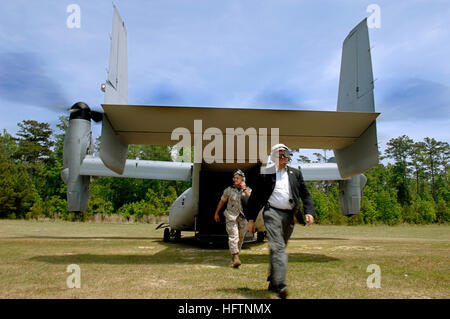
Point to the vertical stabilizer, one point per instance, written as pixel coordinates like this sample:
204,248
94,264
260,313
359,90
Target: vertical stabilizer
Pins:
112,151
117,82
356,95
356,78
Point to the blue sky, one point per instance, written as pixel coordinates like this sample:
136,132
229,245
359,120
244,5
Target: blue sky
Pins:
248,53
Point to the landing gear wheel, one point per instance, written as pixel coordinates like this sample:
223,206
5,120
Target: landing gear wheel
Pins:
166,237
177,235
260,236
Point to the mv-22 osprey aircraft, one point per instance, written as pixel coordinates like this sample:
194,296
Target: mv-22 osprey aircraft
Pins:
350,132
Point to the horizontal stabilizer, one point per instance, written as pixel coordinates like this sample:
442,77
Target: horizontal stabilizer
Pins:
153,125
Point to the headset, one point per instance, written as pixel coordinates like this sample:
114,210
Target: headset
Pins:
241,173
276,152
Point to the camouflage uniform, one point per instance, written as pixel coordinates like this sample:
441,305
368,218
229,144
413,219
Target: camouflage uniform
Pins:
236,223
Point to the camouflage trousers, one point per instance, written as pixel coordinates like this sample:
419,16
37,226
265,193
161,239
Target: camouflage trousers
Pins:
236,230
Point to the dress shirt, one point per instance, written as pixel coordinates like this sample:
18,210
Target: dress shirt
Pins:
282,193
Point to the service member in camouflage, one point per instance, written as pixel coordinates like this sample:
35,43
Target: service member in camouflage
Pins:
236,223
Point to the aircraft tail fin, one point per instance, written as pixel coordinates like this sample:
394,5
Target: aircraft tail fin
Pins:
117,82
356,95
112,151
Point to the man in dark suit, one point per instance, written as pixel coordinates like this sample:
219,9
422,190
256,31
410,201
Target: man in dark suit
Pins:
278,190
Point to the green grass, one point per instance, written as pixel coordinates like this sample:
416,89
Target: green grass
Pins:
131,261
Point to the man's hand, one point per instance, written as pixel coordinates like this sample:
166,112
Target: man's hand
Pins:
216,217
251,226
309,219
243,185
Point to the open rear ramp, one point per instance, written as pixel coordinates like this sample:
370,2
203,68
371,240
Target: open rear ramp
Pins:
213,181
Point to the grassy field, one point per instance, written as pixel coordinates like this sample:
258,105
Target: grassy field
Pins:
132,261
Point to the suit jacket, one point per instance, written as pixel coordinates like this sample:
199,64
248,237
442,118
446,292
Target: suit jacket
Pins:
265,185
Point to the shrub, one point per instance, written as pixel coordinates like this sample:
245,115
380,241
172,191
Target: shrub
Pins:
442,212
321,206
357,219
425,211
368,211
37,210
387,208
98,205
16,190
409,214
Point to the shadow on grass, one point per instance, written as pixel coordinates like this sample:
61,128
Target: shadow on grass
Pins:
195,243
249,293
187,250
316,238
172,256
88,237
190,240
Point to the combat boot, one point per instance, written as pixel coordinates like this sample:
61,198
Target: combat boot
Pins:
236,261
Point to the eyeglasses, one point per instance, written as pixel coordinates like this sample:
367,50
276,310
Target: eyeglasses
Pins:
282,155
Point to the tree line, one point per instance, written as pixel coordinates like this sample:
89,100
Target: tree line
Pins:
411,188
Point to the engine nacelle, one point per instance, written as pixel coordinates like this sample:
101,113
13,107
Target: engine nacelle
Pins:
350,194
77,144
